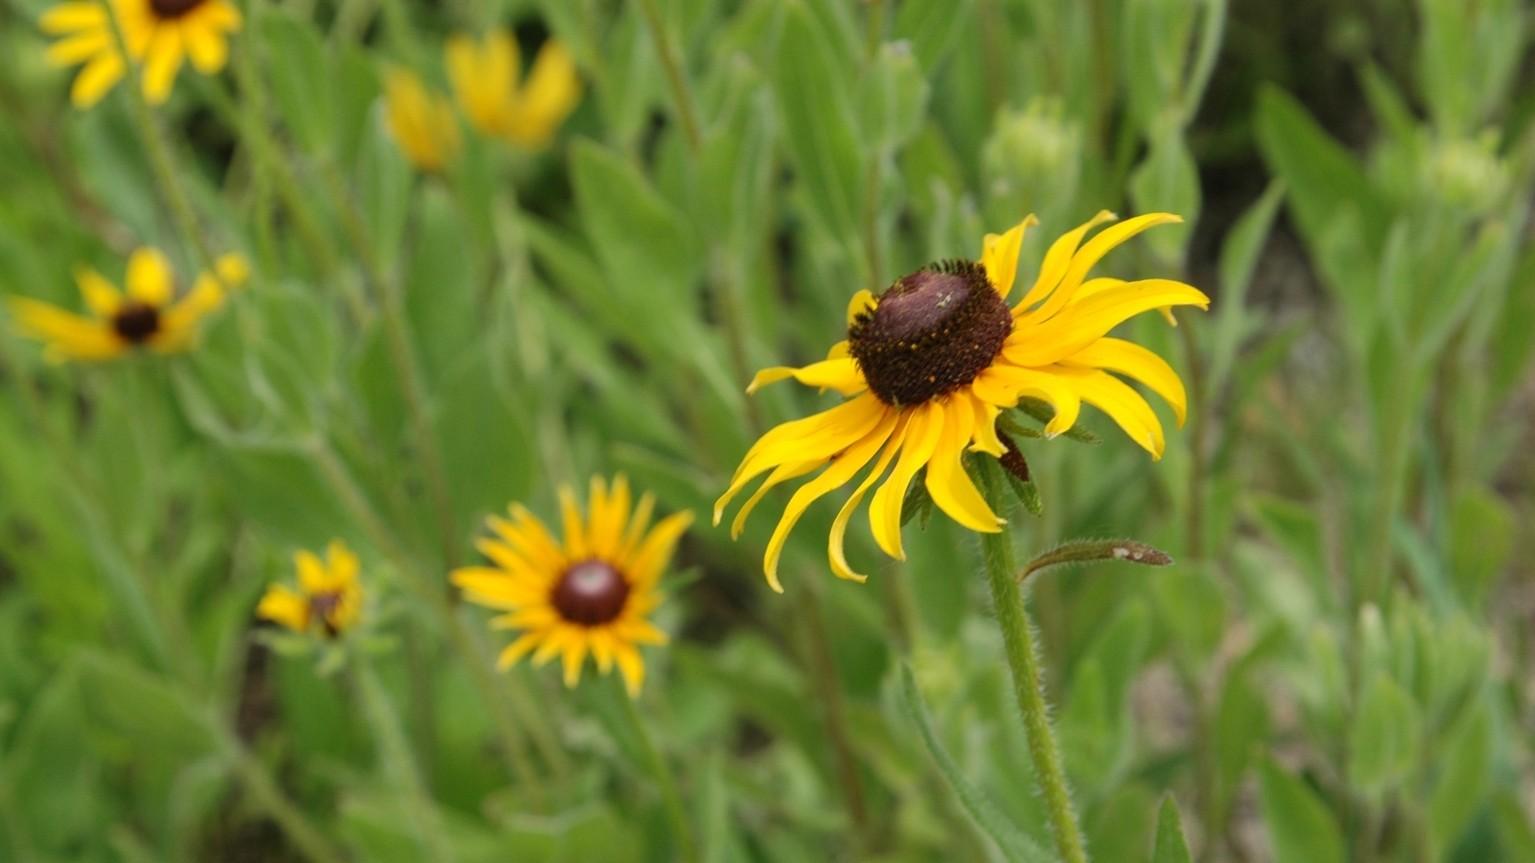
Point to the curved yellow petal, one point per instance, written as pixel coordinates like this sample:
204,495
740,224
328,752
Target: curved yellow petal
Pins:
281,605
1058,258
1091,254
149,277
1082,323
924,428
576,547
780,475
518,649
1123,405
574,655
863,301
551,93
101,296
161,63
67,335
841,375
97,78
312,577
836,551
947,482
985,432
999,255
208,49
69,17
657,548
631,667
76,49
1128,358
841,469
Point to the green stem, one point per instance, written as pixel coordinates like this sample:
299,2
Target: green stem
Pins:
394,751
1024,663
823,668
673,68
682,834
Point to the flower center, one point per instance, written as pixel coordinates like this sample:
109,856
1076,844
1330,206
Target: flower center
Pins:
323,607
136,322
590,593
170,9
931,333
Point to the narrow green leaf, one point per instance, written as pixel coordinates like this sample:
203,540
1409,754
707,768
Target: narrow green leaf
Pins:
1079,551
1170,845
1300,827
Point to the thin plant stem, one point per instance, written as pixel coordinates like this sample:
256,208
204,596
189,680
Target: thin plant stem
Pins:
1023,662
682,834
265,792
686,113
1199,432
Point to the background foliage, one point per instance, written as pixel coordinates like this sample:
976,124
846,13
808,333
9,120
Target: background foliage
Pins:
1339,666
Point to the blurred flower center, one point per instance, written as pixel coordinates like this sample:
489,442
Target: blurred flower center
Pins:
590,593
323,607
136,322
931,333
173,8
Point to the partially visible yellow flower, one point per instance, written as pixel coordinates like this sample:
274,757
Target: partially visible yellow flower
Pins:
590,594
930,364
147,316
422,122
329,595
159,35
487,80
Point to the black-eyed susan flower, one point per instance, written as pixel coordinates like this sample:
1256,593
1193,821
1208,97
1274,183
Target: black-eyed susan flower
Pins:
148,315
588,595
488,83
329,595
422,122
928,366
159,35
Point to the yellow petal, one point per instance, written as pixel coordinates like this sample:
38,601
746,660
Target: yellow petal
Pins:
657,549
781,474
552,91
1084,322
863,301
149,277
642,632
924,428
809,439
1057,258
208,48
575,532
99,76
1044,384
342,564
985,432
836,551
101,296
518,649
68,17
178,322
837,473
841,375
161,63
1091,254
999,255
67,335
219,15
281,605
80,47
947,482
312,578
1137,362
1123,405
632,668
574,655
232,270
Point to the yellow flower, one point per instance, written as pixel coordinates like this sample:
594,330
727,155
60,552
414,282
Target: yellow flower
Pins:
329,595
421,121
148,316
590,594
930,364
159,35
486,80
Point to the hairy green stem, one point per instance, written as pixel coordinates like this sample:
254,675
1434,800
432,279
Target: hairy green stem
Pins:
682,834
1024,663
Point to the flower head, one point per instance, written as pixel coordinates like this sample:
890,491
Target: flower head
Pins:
158,34
329,596
147,316
590,594
487,80
930,364
421,121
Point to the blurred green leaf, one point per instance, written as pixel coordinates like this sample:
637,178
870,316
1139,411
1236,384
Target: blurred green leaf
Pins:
1385,736
1170,846
1300,827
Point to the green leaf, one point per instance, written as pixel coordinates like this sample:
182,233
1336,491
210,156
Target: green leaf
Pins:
1240,252
932,27
1014,844
818,118
1080,551
1466,764
1300,827
1170,845
1481,541
301,79
892,98
1168,180
1385,736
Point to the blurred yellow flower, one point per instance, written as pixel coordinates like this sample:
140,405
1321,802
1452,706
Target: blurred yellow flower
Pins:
930,364
159,34
147,316
590,594
423,123
486,76
329,595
